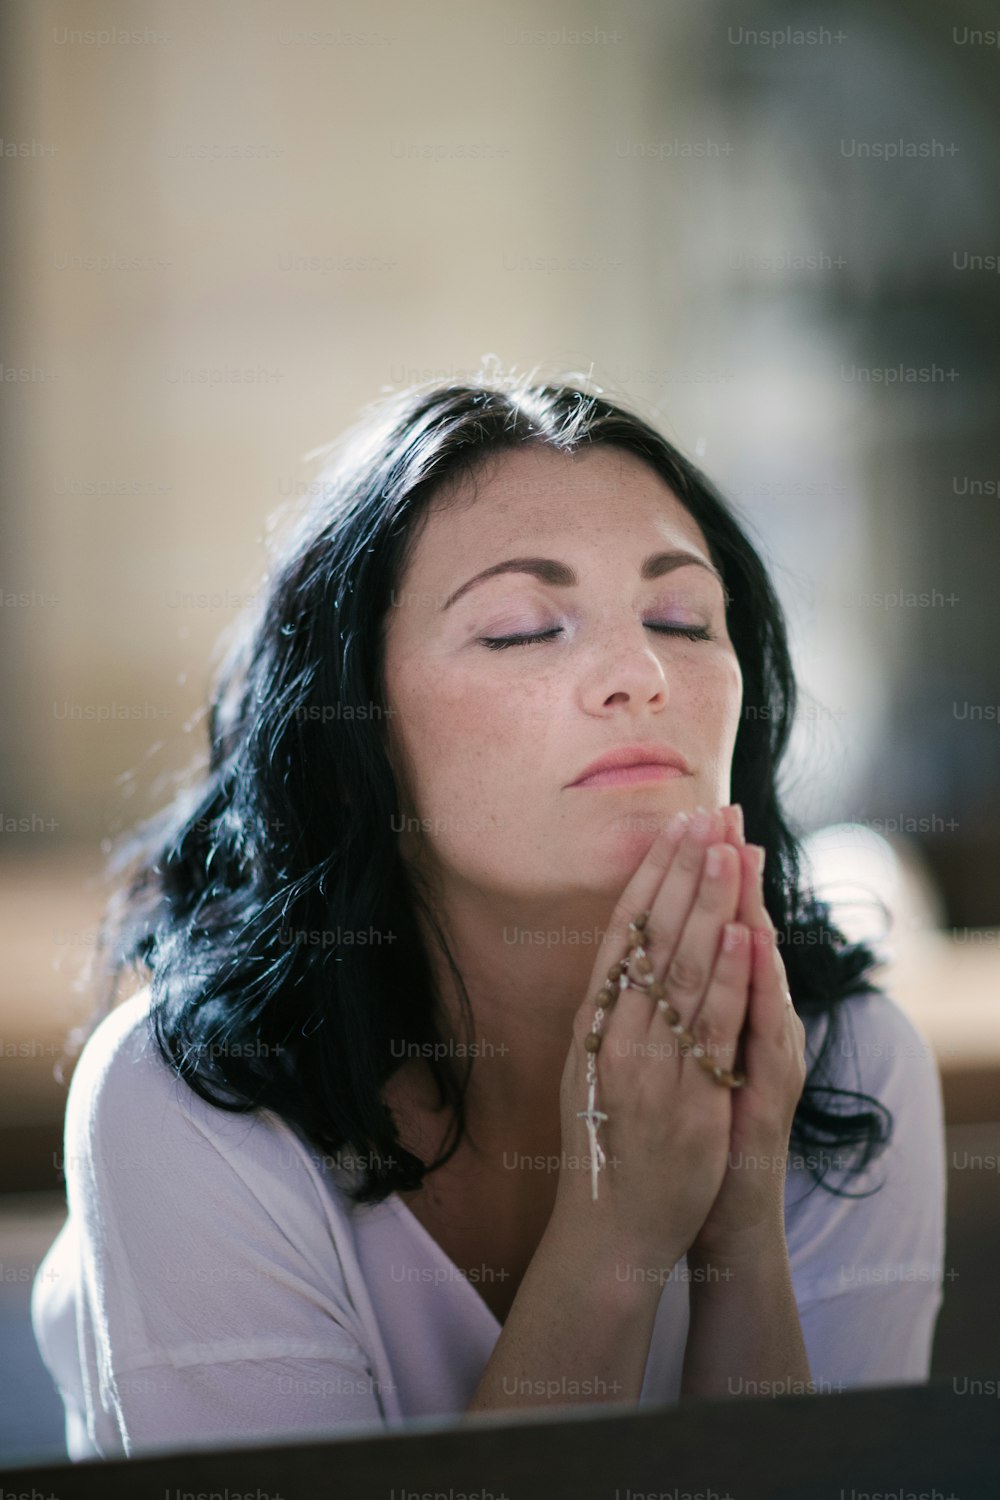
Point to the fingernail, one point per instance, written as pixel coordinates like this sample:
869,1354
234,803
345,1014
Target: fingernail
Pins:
761,856
713,861
701,822
738,820
678,823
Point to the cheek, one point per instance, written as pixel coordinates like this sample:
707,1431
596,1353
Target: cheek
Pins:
720,694
711,692
731,690
460,733
729,679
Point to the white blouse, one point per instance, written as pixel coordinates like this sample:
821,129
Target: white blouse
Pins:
213,1283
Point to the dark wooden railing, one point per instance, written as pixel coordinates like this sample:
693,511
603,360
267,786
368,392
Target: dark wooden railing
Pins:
939,1441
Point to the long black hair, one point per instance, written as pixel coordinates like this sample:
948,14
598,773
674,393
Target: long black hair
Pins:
268,902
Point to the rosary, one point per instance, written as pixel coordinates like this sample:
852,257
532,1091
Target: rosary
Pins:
619,978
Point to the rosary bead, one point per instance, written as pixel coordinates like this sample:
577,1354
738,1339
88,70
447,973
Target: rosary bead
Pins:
636,971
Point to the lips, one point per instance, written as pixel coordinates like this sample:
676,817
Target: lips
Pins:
631,775
657,760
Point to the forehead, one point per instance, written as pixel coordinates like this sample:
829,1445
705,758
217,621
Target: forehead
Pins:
590,496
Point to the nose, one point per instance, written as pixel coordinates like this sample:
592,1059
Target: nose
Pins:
629,675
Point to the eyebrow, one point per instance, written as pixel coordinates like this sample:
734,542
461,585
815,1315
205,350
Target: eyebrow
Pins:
562,576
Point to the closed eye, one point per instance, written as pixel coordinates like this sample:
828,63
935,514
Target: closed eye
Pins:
501,642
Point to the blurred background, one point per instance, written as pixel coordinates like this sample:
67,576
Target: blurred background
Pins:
774,231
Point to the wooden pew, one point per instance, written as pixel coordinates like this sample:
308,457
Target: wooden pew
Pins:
939,1441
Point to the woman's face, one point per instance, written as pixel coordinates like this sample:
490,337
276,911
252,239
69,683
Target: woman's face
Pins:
486,742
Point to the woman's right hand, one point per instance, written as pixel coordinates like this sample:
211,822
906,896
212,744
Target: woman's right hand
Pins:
667,1135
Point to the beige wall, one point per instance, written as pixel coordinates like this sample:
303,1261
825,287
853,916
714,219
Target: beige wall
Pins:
245,264
659,150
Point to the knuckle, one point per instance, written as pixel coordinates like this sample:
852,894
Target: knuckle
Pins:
795,1051
622,915
689,858
684,975
661,856
716,1045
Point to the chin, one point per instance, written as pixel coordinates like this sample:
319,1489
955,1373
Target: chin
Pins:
640,823
624,841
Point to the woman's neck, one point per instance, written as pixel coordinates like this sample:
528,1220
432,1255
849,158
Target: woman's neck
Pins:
525,984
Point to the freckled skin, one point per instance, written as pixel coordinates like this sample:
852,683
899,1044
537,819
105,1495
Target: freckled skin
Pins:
487,740
484,743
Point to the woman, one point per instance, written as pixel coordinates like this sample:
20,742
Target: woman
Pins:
382,1138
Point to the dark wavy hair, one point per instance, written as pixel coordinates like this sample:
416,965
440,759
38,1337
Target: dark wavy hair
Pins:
288,828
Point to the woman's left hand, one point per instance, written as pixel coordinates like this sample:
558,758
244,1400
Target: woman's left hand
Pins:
771,1054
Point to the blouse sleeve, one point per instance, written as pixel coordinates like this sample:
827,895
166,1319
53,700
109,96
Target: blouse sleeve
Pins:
868,1271
210,1307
